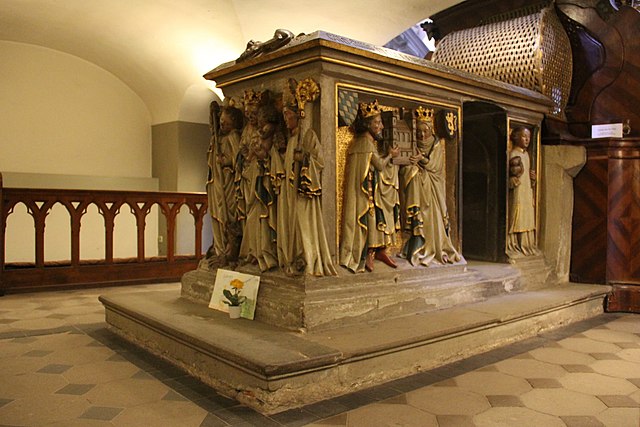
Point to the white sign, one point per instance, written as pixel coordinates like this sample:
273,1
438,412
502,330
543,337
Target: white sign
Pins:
613,130
248,285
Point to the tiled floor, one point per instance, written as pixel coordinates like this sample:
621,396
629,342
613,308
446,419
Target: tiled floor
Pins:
59,366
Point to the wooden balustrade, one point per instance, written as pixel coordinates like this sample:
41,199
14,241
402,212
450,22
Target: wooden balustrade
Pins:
41,275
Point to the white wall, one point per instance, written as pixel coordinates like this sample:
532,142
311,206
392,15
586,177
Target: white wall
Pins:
60,114
62,119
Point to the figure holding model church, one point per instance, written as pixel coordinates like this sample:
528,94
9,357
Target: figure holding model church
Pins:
371,202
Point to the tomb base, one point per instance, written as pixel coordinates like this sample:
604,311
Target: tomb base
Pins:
316,303
271,368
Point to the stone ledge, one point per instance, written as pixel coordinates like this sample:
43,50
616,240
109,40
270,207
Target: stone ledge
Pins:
272,369
313,304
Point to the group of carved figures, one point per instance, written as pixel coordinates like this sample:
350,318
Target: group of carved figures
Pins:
265,190
264,184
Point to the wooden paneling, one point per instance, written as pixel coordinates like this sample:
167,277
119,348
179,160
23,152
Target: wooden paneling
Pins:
589,238
623,225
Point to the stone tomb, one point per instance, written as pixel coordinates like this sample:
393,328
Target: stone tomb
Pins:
317,337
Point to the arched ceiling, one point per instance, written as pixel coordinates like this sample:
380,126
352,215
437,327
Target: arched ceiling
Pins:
161,48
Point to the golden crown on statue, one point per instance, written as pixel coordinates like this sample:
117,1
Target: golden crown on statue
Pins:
252,97
369,110
424,114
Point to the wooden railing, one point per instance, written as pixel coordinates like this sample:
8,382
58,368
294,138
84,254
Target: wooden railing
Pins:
42,275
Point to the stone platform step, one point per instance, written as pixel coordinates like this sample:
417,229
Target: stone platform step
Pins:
273,369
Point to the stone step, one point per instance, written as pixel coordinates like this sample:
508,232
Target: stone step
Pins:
273,369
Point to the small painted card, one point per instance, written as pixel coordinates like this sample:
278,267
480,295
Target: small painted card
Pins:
247,284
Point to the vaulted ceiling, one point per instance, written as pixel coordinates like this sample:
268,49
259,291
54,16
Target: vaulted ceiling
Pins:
161,48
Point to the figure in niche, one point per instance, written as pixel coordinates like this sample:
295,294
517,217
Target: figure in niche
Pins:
424,183
522,210
223,150
302,243
259,234
371,204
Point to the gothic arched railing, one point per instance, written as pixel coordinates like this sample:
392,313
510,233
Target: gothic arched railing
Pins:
41,275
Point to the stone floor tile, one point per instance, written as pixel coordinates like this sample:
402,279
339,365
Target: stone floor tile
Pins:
625,324
215,403
604,356
355,400
241,415
161,414
61,341
493,383
500,400
617,368
582,421
560,402
82,355
25,340
611,336
100,372
515,416
57,316
143,375
620,417
81,422
50,408
544,383
455,421
489,368
125,393
380,414
76,389
30,384
38,324
9,333
530,368
211,420
451,382
173,396
5,401
447,401
588,346
330,408
21,365
634,381
561,356
630,355
578,368
104,413
53,369
37,353
597,384
294,417
335,421
618,401
624,345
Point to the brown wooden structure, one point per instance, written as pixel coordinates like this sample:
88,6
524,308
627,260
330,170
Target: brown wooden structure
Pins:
42,275
605,89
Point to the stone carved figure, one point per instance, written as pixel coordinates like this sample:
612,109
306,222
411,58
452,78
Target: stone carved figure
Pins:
371,202
302,243
522,212
252,101
255,189
424,186
254,49
226,123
